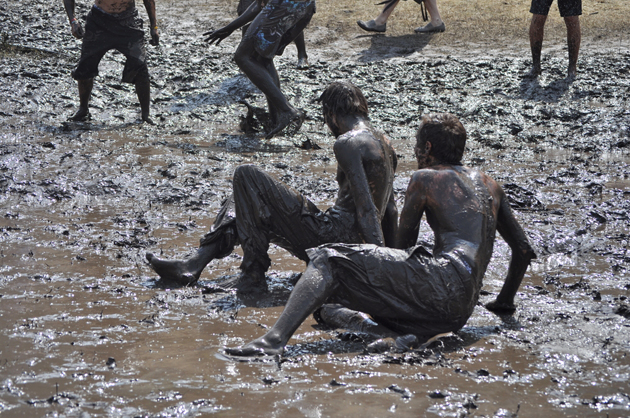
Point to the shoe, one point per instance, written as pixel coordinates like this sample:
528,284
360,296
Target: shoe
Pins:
372,26
430,28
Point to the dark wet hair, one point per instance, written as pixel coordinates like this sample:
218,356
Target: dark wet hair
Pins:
446,134
343,98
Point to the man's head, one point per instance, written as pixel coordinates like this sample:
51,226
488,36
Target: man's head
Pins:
442,137
340,99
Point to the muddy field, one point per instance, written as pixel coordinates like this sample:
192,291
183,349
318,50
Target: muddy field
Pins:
85,331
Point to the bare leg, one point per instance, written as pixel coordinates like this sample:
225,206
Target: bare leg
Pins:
301,51
338,316
258,70
536,34
183,272
85,92
310,292
431,5
387,11
143,90
574,38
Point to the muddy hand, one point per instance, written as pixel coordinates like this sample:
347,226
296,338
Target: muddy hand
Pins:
155,37
77,29
215,37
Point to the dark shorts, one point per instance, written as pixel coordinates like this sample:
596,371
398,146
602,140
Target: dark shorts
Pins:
567,7
408,291
104,32
263,210
278,24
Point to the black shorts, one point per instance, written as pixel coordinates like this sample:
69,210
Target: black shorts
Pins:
278,24
104,32
567,7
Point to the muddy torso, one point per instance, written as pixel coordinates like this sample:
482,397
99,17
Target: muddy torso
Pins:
115,6
461,208
379,164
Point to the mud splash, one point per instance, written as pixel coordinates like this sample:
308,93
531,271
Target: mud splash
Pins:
85,332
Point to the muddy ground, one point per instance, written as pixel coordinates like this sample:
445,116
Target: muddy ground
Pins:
86,332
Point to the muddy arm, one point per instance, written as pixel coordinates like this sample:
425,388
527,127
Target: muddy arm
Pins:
349,158
155,36
415,201
220,34
390,222
76,28
522,254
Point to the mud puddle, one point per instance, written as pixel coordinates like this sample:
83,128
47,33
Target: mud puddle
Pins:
85,332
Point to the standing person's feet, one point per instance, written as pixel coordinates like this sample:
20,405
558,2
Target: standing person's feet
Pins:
172,272
534,72
571,73
293,120
82,115
302,63
147,119
372,26
430,28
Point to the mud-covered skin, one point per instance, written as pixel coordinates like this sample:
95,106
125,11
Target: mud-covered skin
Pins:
262,210
464,209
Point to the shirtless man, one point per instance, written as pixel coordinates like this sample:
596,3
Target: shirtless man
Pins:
113,24
275,24
263,210
412,292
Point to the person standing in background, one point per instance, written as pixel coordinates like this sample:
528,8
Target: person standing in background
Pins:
570,10
379,24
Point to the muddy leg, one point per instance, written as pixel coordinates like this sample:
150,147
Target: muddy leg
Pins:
574,38
301,51
258,70
313,288
183,272
536,34
338,316
143,90
85,92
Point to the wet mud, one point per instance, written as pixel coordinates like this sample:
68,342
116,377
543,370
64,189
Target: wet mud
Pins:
86,331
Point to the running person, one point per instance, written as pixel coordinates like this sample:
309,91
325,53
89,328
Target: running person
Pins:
274,25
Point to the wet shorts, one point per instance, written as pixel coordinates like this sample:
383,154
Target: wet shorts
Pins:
104,32
567,7
278,24
408,291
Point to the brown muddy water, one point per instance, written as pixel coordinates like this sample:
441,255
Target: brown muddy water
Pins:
86,332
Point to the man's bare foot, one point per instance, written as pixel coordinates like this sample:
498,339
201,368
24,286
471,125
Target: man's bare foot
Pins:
295,119
259,347
172,272
82,115
533,73
147,119
246,283
302,63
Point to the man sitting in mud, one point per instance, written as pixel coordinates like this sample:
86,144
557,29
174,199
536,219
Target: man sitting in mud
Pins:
113,24
410,293
275,24
263,210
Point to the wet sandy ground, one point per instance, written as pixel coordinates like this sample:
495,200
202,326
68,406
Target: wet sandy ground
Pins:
85,332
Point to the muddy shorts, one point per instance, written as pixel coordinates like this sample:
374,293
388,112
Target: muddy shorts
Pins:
104,32
278,24
263,210
408,291
567,7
